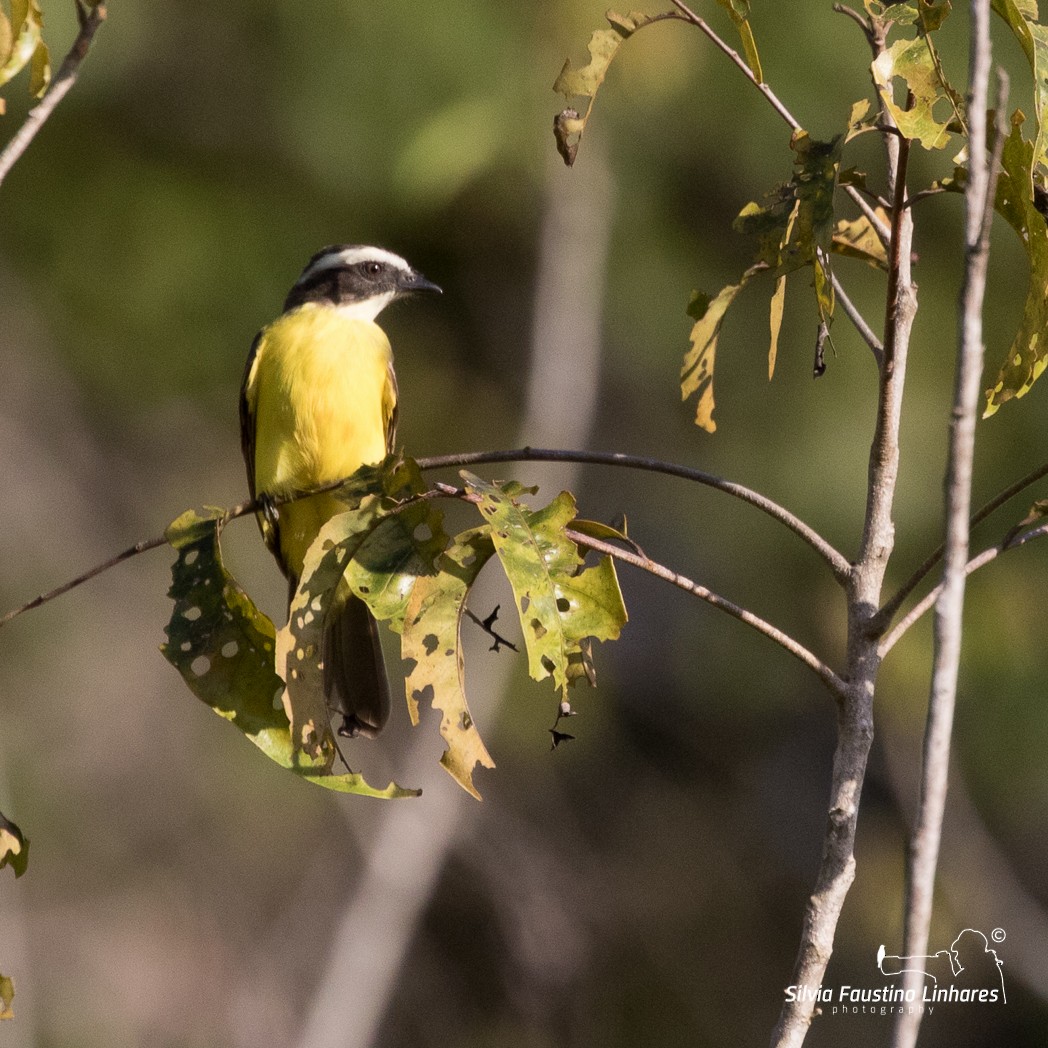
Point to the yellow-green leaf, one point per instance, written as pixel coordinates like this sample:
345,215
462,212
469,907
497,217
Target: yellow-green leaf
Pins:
739,10
1028,355
24,41
913,62
856,238
14,847
1021,17
431,644
224,648
7,996
585,81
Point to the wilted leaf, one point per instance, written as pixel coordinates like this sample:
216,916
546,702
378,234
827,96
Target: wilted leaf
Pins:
559,604
7,996
14,847
1028,354
24,45
584,82
224,648
696,374
857,238
432,645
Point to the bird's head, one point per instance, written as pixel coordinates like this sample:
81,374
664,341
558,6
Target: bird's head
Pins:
359,281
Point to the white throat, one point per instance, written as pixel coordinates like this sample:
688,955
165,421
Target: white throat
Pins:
367,309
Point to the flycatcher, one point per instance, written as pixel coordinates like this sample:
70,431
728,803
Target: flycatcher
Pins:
319,400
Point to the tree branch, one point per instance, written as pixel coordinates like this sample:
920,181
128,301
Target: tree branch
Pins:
838,563
90,19
923,855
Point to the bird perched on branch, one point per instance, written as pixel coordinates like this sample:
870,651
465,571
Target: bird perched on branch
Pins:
319,400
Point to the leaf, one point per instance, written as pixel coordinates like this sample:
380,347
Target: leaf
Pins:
560,603
584,82
778,303
696,376
914,62
1021,17
224,648
7,996
432,644
14,848
739,10
24,45
857,238
1028,355
1038,511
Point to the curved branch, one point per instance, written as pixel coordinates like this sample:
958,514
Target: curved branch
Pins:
838,563
90,19
640,560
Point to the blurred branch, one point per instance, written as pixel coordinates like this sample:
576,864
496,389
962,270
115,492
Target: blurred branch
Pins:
837,561
923,856
90,18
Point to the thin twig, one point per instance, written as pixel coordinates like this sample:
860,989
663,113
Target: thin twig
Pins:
690,16
832,681
864,329
923,855
887,613
90,19
837,561
921,608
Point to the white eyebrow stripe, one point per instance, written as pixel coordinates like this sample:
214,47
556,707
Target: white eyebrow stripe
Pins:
351,256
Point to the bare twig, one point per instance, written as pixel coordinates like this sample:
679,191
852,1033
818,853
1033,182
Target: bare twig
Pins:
90,19
837,561
864,329
949,607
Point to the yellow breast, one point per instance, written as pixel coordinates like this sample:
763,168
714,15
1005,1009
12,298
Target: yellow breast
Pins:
322,394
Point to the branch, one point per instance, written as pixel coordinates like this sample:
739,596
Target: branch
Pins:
838,563
864,329
90,19
640,560
928,601
887,613
979,193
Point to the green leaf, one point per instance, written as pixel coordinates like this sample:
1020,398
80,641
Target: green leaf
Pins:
914,62
7,996
432,645
560,602
739,10
14,848
224,648
1028,355
1021,17
585,81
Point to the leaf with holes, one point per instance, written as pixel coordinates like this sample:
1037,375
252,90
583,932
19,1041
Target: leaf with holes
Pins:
584,81
559,602
14,847
1028,355
224,647
1021,17
432,645
914,63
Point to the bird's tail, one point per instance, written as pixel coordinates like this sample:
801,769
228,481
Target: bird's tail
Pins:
354,673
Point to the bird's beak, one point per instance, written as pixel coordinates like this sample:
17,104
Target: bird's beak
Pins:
416,282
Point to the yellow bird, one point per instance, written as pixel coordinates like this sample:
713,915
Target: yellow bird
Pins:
319,400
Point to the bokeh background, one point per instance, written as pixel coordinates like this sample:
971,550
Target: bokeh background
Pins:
645,883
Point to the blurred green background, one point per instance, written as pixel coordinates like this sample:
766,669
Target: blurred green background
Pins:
644,884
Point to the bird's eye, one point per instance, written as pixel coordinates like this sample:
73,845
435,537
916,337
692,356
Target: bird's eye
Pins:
373,269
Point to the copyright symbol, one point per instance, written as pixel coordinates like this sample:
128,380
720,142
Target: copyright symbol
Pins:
997,935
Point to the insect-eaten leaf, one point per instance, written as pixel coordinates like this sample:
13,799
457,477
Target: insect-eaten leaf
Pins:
1022,18
431,643
224,647
934,106
14,847
560,601
584,82
1028,354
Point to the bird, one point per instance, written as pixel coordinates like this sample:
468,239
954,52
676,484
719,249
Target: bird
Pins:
318,401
